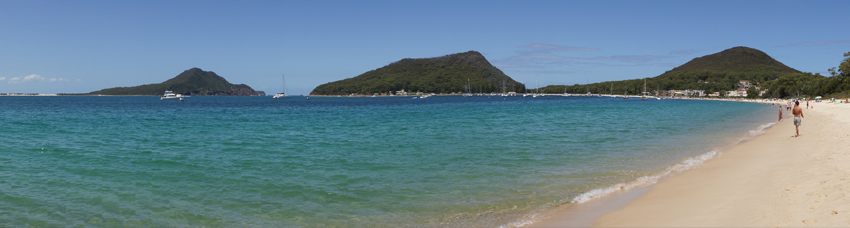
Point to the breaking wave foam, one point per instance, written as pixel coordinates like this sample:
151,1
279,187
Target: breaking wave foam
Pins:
687,164
690,163
760,130
643,181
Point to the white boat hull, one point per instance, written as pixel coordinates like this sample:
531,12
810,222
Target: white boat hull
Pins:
171,96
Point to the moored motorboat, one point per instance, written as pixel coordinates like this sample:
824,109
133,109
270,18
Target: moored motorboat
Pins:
171,95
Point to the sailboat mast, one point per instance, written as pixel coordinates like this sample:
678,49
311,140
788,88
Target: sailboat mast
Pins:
283,76
504,90
468,87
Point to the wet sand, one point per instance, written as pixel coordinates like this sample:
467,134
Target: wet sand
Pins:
772,180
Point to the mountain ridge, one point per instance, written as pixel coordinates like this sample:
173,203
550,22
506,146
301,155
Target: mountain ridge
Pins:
720,71
445,74
737,59
194,81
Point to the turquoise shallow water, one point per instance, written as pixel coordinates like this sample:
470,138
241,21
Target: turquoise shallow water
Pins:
371,162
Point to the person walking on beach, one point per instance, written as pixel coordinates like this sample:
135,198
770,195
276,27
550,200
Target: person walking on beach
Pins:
780,113
798,117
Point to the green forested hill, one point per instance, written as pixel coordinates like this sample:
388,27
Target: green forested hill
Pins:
722,70
716,72
194,82
446,74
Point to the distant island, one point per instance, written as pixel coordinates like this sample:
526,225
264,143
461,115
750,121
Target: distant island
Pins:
443,75
194,82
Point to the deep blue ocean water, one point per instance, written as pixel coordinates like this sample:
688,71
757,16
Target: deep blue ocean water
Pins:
365,162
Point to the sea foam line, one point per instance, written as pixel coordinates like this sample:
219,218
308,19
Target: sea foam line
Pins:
643,181
687,164
760,130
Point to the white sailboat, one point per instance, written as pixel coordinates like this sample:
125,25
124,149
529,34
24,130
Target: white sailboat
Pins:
279,95
643,96
537,80
503,93
526,91
468,89
657,96
626,93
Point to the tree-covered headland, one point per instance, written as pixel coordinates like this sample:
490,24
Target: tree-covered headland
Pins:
731,70
195,82
443,75
721,72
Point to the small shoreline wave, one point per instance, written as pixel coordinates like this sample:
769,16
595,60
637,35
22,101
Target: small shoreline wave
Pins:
760,130
644,181
687,164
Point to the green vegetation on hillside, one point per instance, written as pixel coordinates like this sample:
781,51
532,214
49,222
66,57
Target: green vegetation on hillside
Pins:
721,71
446,74
812,85
713,73
195,82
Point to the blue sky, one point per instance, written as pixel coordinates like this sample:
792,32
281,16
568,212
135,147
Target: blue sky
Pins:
83,46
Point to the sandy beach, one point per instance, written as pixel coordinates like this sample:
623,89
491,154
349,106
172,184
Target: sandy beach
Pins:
772,180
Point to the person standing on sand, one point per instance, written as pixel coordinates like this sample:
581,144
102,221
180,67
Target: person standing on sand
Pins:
780,113
798,117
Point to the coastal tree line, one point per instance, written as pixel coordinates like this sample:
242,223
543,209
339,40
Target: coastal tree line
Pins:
707,80
778,84
717,72
837,84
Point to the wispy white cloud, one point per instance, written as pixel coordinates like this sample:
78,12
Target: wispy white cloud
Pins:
817,43
28,78
547,61
31,78
683,52
546,57
563,60
631,58
550,48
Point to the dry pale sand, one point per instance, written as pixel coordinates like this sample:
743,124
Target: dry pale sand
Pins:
772,180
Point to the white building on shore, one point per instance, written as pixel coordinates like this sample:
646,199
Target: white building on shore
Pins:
737,93
688,93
